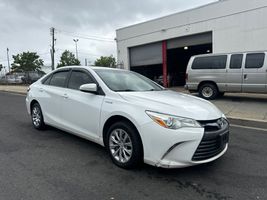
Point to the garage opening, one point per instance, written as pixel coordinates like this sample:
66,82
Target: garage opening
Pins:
153,72
147,60
180,50
177,60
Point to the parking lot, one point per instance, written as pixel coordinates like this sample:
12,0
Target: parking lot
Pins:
53,164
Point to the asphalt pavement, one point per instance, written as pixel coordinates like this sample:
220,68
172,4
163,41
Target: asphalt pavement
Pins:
53,164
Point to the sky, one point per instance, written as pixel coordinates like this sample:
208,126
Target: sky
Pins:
25,24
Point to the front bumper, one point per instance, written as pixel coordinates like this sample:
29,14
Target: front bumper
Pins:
183,147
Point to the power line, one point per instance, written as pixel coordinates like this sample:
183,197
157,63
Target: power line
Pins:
81,52
43,54
87,37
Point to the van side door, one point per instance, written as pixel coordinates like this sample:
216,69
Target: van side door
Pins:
234,73
254,74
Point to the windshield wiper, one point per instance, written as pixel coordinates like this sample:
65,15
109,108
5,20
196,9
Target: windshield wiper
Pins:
126,90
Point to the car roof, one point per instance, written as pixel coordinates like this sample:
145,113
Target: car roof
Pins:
91,67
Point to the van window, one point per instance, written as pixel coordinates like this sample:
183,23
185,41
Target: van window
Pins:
236,61
254,60
210,62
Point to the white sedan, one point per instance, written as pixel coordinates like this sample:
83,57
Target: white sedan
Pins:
136,119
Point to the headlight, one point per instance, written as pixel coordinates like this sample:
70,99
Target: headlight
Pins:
172,122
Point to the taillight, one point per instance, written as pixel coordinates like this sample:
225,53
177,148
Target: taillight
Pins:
28,89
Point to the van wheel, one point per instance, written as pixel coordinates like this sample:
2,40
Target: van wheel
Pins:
208,91
124,145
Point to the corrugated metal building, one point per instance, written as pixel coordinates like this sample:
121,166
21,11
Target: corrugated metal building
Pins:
161,48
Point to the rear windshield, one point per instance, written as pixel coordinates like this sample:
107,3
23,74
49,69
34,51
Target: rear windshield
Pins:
210,62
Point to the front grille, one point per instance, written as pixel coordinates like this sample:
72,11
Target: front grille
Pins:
215,138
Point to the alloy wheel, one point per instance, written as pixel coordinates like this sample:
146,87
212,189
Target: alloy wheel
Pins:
36,116
120,145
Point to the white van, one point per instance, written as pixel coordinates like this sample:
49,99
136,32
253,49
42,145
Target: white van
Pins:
211,75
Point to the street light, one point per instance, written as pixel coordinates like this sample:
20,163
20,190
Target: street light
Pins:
76,40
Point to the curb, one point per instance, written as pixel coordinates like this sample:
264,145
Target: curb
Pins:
13,92
248,122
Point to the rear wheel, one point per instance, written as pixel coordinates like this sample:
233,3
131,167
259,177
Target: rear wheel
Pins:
37,117
124,145
208,91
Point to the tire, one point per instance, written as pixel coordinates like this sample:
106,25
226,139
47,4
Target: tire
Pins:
208,91
221,94
37,117
124,145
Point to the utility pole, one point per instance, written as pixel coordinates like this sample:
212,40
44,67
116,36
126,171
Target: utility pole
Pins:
85,61
76,40
52,50
7,54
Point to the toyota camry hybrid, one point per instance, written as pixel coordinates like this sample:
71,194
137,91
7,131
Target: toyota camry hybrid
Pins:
136,119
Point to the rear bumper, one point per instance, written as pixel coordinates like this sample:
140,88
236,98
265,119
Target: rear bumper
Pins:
191,87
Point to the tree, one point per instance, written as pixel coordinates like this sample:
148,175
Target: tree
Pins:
106,61
1,67
26,62
68,59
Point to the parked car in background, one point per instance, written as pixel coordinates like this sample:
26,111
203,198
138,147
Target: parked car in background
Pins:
11,79
212,75
136,119
31,77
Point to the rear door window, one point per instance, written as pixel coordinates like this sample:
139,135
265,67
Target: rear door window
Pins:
210,62
46,81
236,61
79,78
254,60
59,78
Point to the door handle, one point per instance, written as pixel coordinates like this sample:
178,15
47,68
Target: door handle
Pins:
41,89
245,76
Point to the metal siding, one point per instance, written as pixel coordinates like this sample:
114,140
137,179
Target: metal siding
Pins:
149,54
197,39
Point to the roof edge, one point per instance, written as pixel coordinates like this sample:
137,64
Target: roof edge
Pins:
180,12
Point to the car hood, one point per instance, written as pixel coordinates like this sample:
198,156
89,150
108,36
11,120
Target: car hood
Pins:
174,103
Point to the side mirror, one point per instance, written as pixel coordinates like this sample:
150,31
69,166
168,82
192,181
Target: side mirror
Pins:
90,87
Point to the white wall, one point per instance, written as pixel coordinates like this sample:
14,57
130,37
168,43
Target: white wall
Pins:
237,25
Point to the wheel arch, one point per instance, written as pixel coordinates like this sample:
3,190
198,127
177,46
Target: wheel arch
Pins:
205,82
118,118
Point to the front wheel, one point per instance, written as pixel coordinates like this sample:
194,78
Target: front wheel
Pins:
124,145
37,117
208,91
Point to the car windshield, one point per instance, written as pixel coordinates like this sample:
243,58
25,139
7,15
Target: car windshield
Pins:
126,81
